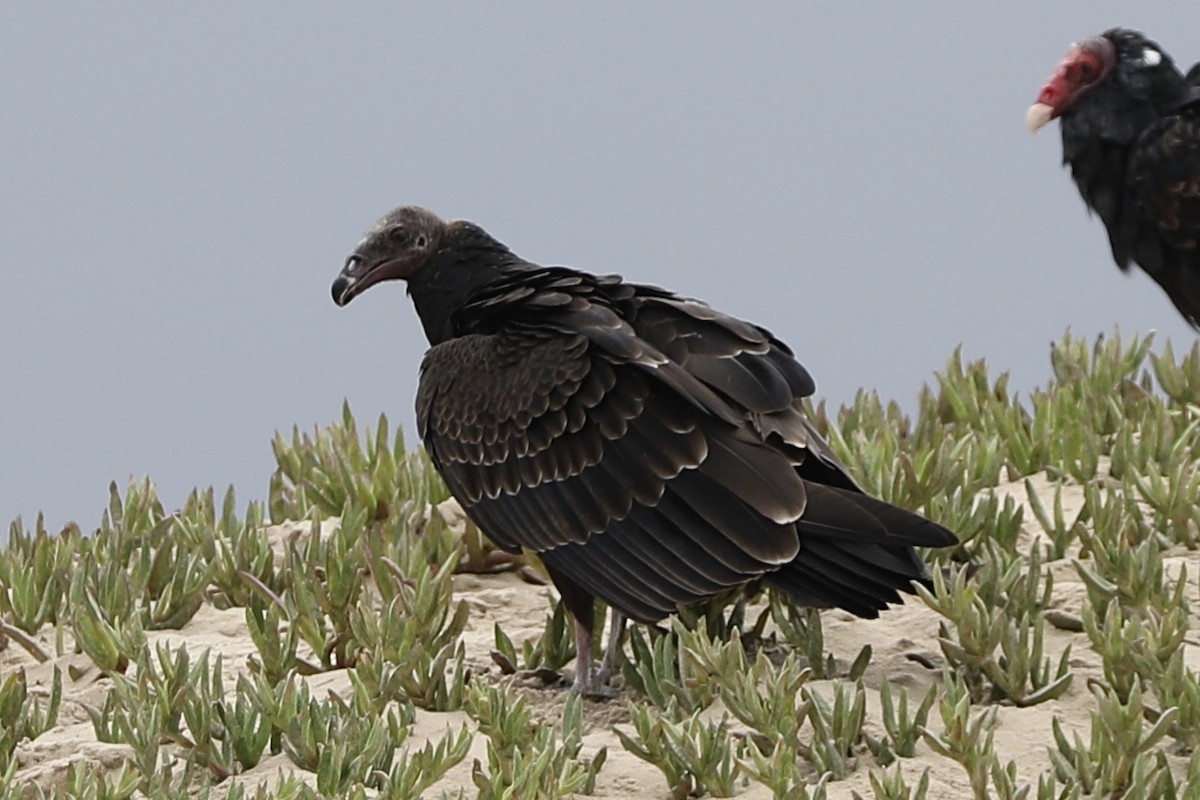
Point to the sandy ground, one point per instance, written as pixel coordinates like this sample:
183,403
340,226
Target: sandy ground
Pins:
1020,734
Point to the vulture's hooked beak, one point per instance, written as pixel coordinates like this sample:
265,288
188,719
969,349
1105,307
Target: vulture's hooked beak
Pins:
1037,116
1050,99
360,274
343,285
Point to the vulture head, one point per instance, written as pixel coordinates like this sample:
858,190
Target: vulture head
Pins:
1117,69
396,248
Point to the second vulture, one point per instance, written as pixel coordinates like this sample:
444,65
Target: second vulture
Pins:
1130,125
650,449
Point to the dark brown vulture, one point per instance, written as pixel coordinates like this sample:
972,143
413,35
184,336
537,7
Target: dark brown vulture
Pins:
651,450
1130,124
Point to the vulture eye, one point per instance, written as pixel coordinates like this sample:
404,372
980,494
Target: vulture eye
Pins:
398,234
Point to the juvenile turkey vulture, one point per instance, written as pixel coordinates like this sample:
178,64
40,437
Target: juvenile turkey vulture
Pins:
650,449
1130,125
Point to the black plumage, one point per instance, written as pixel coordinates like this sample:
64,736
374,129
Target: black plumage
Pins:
650,449
1130,123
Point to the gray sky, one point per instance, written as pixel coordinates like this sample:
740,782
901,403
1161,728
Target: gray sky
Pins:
179,184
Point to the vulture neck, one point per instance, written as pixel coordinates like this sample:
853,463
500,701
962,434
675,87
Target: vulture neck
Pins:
1099,134
1118,110
468,260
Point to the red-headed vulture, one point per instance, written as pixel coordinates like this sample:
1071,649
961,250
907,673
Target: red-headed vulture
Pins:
1130,123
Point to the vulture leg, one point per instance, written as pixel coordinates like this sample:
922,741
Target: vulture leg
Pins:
616,633
587,682
582,607
585,668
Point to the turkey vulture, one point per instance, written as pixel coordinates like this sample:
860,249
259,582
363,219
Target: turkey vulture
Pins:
651,450
1130,125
